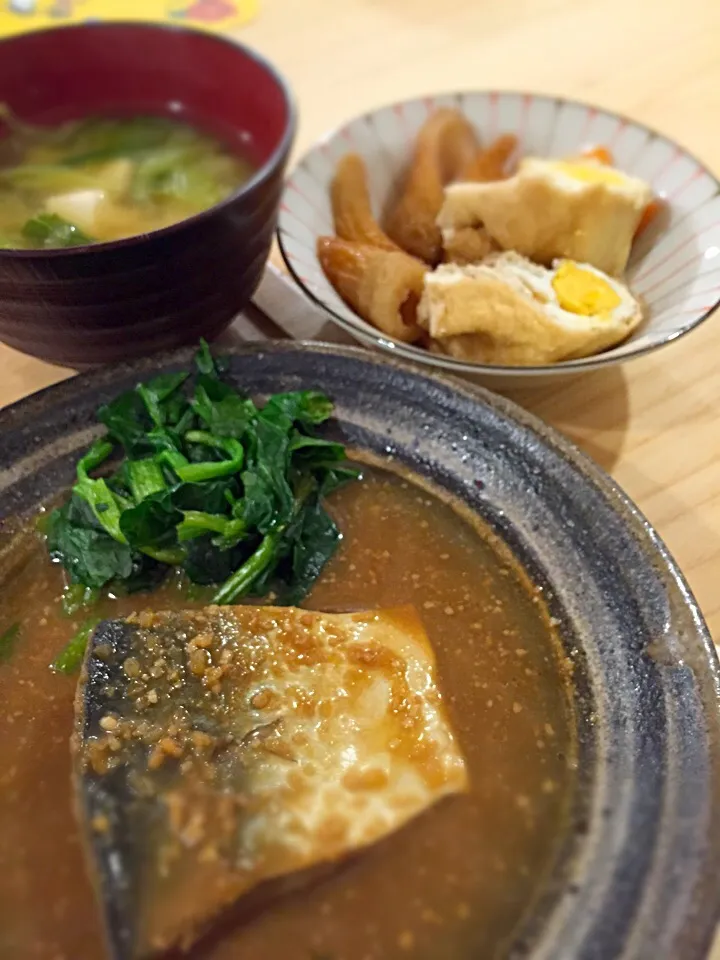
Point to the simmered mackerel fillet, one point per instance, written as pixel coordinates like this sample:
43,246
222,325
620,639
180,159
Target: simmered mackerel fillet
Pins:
218,749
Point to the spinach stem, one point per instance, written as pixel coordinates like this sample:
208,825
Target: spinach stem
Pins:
105,505
77,596
145,478
212,469
205,438
240,582
172,556
151,404
195,523
173,458
8,639
71,656
97,454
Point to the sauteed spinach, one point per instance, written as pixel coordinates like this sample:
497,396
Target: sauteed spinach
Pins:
208,481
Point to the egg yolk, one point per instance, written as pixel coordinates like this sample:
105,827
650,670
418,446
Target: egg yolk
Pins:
583,292
590,172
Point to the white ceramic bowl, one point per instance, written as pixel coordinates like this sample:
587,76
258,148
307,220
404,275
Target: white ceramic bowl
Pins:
675,264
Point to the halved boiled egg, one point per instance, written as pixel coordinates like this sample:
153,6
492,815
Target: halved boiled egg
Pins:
510,311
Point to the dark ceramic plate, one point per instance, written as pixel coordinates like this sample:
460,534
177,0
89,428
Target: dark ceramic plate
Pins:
638,877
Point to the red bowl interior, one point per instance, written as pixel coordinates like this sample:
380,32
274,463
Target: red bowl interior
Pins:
108,68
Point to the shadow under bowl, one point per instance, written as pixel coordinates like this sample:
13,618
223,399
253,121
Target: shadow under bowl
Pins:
131,297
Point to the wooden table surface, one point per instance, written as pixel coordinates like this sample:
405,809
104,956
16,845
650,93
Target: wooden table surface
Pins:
653,424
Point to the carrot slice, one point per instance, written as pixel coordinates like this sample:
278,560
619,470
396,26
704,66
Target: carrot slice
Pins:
649,214
599,153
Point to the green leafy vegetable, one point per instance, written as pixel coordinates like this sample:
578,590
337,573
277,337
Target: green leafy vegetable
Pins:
212,469
155,392
205,363
144,478
106,505
50,230
98,141
70,658
315,542
207,564
213,496
150,527
8,640
76,597
90,556
179,173
196,523
207,481
48,179
224,412
240,582
128,423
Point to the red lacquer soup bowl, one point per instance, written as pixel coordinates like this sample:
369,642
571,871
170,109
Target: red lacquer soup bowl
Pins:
127,298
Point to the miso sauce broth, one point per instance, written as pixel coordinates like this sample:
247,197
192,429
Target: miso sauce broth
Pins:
99,179
456,882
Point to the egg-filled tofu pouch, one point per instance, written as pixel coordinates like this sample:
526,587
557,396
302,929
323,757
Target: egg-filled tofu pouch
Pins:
509,310
554,209
219,749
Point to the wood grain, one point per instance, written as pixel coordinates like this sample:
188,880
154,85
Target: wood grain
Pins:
653,423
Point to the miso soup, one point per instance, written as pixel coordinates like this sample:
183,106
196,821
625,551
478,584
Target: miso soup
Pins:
102,179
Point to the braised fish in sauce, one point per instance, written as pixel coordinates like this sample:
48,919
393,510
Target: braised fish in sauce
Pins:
221,748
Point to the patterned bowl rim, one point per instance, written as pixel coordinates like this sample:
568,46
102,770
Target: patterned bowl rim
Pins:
607,358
